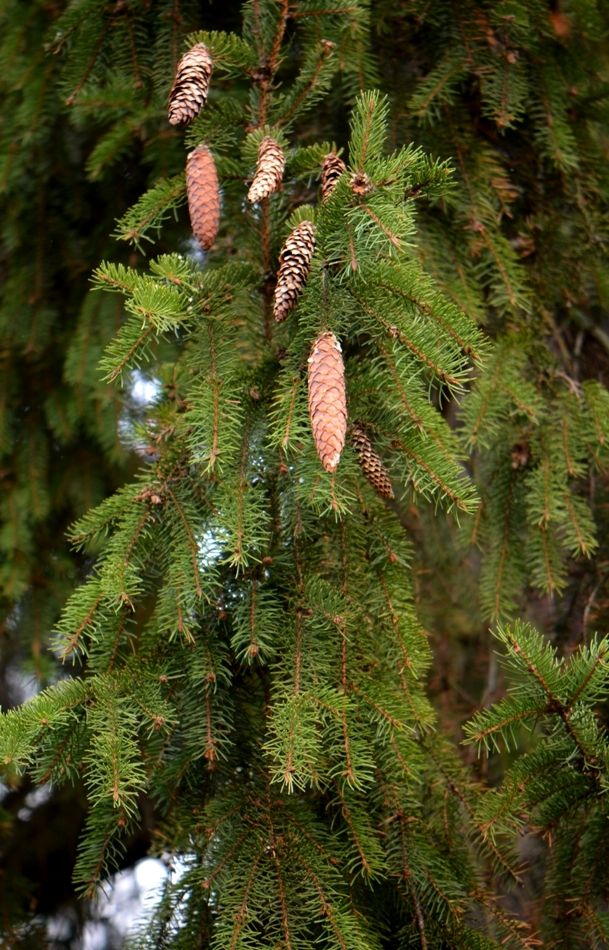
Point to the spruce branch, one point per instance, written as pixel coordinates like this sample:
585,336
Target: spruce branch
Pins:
151,211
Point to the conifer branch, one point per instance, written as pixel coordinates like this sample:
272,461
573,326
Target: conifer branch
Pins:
407,664
554,704
488,840
302,833
515,929
191,540
382,712
279,34
585,544
433,314
90,885
285,920
225,859
599,662
137,69
71,99
504,550
257,29
348,772
311,81
418,912
74,640
446,490
118,636
151,210
393,239
58,758
297,14
512,717
137,346
253,665
298,653
241,914
209,753
326,908
399,334
366,867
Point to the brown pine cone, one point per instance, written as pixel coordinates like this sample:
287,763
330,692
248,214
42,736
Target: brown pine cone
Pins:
370,462
295,261
203,196
327,399
269,170
331,170
191,85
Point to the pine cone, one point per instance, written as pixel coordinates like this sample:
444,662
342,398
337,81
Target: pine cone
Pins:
203,196
331,170
269,170
327,399
295,261
191,85
370,462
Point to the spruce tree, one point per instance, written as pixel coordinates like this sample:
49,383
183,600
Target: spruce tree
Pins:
361,262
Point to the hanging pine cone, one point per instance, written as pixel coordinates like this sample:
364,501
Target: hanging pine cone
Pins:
295,261
191,85
370,462
269,170
203,196
331,169
327,399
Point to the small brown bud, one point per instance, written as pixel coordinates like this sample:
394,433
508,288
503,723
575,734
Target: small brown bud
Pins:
361,184
520,455
331,170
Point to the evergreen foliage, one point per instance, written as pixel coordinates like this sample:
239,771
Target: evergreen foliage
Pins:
242,663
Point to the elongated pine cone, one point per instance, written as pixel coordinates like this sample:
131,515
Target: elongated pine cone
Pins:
191,85
203,194
327,399
269,170
331,170
294,263
370,462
